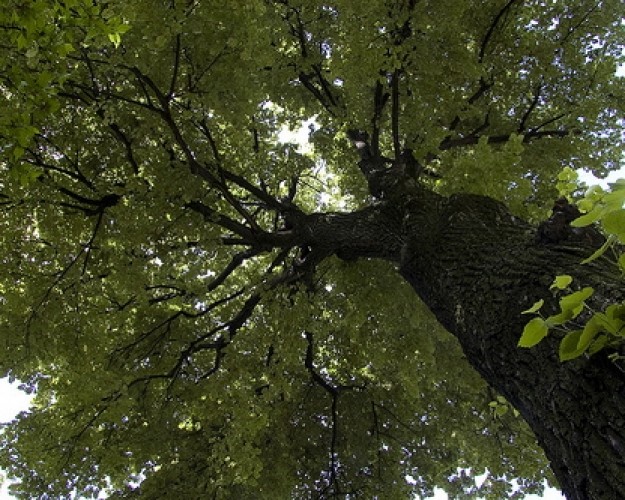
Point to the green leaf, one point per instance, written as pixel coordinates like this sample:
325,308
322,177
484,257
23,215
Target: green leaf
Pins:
568,346
44,78
533,333
558,319
616,311
570,306
567,181
588,218
617,185
17,152
22,41
115,39
25,174
574,302
32,52
537,305
149,298
64,49
561,282
586,205
600,251
501,410
567,174
608,321
615,199
590,331
614,222
600,342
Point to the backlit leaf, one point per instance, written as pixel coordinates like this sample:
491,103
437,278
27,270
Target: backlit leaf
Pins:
561,282
535,330
537,305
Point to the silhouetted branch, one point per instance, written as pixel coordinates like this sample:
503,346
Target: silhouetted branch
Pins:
531,107
491,29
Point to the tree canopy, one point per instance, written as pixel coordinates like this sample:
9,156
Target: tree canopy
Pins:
204,310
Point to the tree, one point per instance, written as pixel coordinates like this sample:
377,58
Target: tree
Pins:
205,311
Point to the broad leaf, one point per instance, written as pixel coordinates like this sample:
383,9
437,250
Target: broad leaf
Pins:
614,223
537,305
569,346
535,330
561,282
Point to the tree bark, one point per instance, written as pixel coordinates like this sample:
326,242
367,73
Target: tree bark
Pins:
477,268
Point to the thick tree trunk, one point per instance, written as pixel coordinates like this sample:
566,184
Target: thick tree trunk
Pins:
477,267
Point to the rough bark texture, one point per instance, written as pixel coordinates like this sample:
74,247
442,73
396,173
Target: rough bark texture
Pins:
477,267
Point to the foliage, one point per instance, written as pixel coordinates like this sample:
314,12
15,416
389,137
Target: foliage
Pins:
140,145
600,329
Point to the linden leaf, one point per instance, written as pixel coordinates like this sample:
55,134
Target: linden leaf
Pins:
115,39
600,342
601,250
574,302
614,222
569,346
561,282
590,331
533,333
537,305
589,218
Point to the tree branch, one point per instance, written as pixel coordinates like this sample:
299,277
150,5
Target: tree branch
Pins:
395,114
211,215
491,29
531,107
322,90
334,395
176,68
500,139
379,101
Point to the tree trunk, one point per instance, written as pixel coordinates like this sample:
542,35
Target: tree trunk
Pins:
477,267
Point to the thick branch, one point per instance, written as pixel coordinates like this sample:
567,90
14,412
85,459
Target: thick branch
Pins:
211,215
500,139
491,29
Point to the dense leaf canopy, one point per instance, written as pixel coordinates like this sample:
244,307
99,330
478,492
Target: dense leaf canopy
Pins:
150,294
